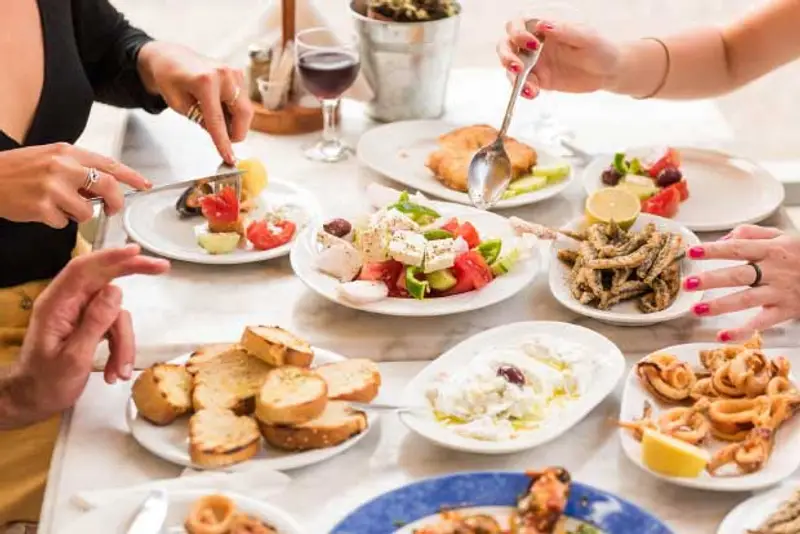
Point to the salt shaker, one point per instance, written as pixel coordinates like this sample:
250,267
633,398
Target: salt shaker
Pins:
260,59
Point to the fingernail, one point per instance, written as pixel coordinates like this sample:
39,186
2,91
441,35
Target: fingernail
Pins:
696,252
691,283
527,93
700,309
127,369
726,236
533,45
514,68
148,184
112,380
547,26
724,336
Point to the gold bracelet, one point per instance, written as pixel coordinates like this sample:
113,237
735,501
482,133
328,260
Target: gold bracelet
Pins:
663,81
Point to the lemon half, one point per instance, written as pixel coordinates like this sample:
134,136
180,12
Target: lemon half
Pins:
254,177
613,204
672,457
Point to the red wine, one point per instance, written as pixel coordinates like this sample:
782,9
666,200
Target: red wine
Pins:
327,73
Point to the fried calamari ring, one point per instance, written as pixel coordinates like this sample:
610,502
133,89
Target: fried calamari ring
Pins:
685,424
730,432
667,378
722,383
244,524
749,455
737,411
781,367
212,514
779,385
750,371
703,389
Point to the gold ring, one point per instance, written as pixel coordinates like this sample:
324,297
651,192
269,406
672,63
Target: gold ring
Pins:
195,114
230,102
92,177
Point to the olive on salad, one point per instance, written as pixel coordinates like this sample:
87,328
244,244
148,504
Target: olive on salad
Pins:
337,227
512,374
668,176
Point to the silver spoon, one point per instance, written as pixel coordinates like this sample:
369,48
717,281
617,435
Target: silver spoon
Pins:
378,407
490,169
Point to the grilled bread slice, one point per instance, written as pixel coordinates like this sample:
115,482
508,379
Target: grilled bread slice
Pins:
338,423
291,396
205,354
230,381
351,380
277,346
162,393
220,437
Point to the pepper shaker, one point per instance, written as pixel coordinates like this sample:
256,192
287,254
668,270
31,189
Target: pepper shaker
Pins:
260,60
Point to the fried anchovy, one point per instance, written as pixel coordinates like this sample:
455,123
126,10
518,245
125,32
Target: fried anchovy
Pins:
637,240
634,259
619,277
613,230
596,236
662,295
586,297
568,256
653,247
786,515
665,257
628,293
592,277
672,276
647,303
575,279
572,234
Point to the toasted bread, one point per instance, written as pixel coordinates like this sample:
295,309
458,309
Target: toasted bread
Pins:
230,381
338,423
206,354
351,380
277,346
162,393
291,396
220,437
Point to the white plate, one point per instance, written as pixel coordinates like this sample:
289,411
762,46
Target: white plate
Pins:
151,221
611,366
783,462
626,313
488,225
172,442
399,151
724,191
754,511
115,518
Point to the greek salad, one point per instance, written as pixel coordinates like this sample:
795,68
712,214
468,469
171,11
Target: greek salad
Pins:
656,180
407,249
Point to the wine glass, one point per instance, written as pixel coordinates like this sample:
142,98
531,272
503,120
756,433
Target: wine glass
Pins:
327,68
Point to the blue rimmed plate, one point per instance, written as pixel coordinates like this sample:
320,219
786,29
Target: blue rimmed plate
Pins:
419,504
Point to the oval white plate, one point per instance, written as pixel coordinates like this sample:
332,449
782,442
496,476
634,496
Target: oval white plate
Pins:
611,366
172,442
626,313
151,221
399,151
752,512
488,225
724,191
115,518
783,462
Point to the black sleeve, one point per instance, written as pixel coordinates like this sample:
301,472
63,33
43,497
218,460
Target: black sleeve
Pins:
109,46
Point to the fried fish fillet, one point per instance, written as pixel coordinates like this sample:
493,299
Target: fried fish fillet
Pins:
450,162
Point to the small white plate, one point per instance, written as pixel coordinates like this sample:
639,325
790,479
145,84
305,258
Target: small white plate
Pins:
399,151
115,518
172,442
626,313
755,510
611,366
724,191
151,221
489,225
782,463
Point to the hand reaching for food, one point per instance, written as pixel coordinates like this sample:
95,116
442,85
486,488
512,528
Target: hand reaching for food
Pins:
575,60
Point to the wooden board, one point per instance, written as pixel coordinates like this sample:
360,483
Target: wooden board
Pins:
291,120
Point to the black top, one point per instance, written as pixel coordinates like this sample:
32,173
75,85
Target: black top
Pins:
90,53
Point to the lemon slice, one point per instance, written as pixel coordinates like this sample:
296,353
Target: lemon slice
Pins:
672,457
254,179
613,204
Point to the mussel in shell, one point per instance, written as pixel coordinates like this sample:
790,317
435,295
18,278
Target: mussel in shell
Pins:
188,205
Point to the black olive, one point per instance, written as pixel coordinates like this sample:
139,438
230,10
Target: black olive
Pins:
611,176
337,227
188,204
512,374
668,176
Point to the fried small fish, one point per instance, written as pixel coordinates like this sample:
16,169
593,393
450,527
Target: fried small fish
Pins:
666,256
654,246
568,256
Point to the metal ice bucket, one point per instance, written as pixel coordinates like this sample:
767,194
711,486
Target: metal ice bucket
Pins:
407,64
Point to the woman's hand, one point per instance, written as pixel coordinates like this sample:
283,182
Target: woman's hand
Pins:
574,60
50,183
776,254
184,78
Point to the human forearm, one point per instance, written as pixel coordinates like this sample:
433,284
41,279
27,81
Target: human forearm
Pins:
18,399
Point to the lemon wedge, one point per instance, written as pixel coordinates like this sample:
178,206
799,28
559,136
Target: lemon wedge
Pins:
254,177
613,204
672,457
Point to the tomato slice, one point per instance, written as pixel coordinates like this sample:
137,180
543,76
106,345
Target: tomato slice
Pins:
451,226
663,204
671,158
471,266
222,207
465,231
390,272
268,235
682,188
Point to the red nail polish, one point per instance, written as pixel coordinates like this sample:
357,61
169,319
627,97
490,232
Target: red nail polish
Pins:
724,337
514,68
691,283
696,252
527,92
701,309
533,45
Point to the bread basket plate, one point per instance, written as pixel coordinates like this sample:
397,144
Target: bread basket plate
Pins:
171,442
152,222
626,313
724,191
609,366
755,510
399,151
489,225
116,517
783,461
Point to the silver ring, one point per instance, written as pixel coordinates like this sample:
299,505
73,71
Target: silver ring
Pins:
234,98
195,114
92,177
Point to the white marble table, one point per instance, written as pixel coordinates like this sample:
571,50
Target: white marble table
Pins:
198,304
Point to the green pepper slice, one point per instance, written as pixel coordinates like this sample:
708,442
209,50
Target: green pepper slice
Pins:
416,288
620,164
490,249
437,234
635,167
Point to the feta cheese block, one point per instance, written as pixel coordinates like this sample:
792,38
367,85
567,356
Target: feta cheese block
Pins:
393,221
374,244
408,248
439,254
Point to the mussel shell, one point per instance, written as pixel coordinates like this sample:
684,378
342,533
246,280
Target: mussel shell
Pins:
188,204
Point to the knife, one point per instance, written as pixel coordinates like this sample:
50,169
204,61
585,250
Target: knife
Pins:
186,184
150,517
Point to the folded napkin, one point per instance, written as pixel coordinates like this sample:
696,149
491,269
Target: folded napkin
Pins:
251,479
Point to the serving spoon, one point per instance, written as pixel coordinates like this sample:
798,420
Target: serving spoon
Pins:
490,169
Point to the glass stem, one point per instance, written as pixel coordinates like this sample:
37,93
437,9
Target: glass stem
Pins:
329,133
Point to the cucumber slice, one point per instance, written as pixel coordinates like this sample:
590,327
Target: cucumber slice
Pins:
528,184
222,243
553,172
441,280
